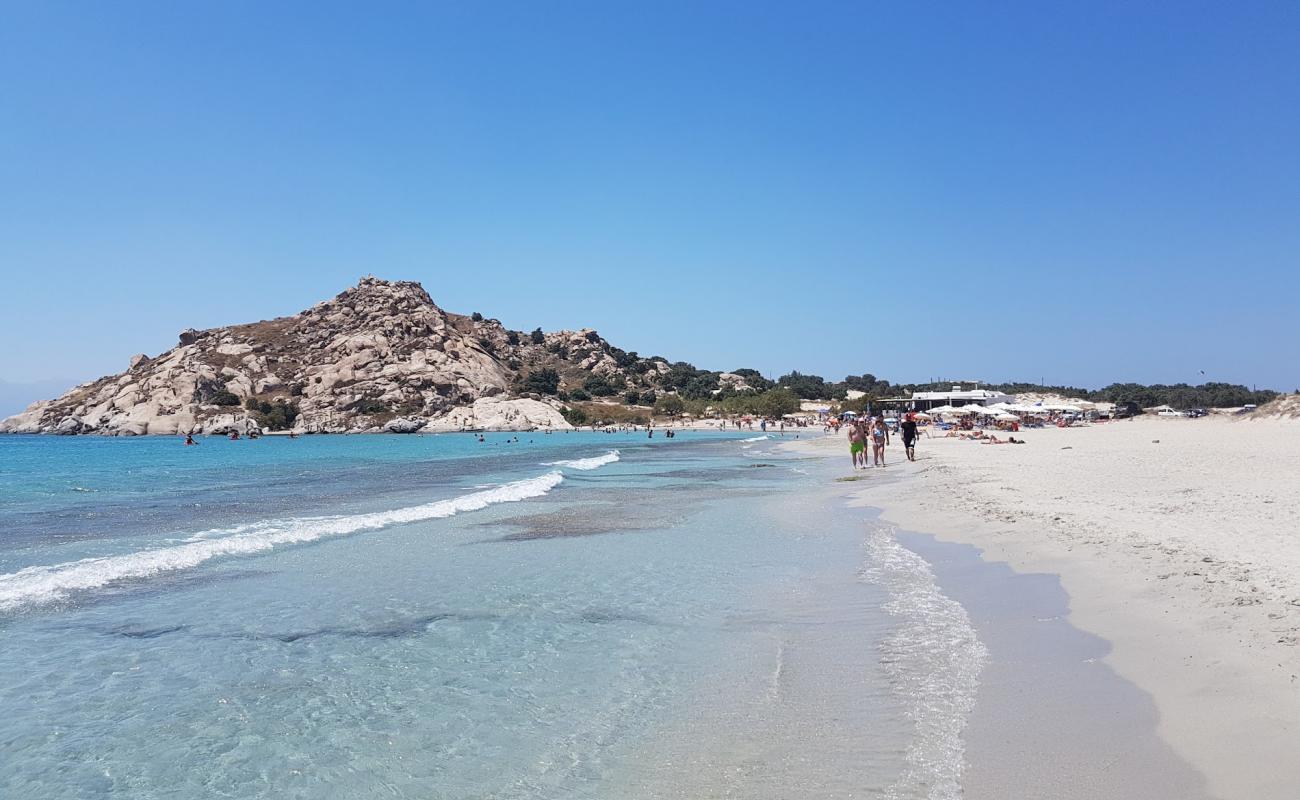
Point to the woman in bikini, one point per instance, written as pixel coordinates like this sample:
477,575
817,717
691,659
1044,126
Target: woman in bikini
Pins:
879,438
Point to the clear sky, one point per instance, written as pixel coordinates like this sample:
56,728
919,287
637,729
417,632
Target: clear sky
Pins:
1081,193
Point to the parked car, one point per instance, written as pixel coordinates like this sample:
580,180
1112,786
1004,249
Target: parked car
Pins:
1125,410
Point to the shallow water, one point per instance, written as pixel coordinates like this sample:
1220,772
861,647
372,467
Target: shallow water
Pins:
572,615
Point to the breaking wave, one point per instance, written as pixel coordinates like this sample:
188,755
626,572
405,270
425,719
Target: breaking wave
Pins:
933,660
585,463
44,585
755,439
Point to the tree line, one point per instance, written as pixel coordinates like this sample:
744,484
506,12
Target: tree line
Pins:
687,389
1178,395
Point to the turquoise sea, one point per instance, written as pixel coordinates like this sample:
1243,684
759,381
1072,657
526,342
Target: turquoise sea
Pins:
579,615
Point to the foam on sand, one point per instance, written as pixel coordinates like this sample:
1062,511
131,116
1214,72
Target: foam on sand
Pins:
44,585
933,660
591,463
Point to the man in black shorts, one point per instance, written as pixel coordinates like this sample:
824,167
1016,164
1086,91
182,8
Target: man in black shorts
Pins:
909,435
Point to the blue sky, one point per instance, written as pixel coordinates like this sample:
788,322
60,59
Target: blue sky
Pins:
1081,193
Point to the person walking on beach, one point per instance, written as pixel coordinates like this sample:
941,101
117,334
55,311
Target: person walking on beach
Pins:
879,438
909,435
857,445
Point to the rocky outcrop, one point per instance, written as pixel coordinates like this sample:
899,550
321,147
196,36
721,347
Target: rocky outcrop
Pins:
226,424
380,356
730,380
405,425
500,414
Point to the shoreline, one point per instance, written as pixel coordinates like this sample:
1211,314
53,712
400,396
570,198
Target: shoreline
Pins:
1051,718
1204,623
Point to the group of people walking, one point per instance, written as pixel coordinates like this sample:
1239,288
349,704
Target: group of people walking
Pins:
873,432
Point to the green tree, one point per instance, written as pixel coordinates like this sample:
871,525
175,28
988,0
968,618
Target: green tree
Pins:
537,336
669,405
809,387
778,401
542,381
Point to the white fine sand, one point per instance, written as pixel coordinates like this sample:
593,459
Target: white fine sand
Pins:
1183,553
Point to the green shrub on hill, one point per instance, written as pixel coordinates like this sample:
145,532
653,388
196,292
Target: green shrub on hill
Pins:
574,416
542,381
277,416
600,386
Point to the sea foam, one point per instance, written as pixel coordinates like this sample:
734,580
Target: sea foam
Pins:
593,462
43,585
755,439
933,660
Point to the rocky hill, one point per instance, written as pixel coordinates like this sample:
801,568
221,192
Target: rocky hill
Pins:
380,356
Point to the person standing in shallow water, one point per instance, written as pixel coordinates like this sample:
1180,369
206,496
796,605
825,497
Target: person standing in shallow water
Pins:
909,435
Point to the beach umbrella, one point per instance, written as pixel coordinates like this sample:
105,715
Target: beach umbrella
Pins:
1005,416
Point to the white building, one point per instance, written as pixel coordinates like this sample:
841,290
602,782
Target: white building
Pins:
959,397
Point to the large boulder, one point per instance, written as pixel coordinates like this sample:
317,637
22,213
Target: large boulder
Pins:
29,421
69,426
226,424
405,425
500,414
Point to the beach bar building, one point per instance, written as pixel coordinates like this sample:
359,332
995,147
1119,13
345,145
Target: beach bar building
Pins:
958,397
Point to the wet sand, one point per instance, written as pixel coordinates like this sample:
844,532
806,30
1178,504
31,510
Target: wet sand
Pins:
1051,719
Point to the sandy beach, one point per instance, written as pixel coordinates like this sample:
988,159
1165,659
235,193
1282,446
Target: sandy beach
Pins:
1176,542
